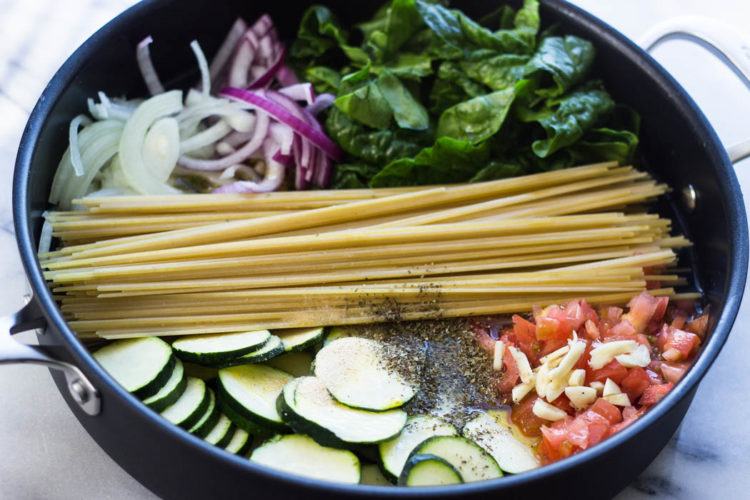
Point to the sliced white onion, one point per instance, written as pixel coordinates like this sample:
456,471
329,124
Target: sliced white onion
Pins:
300,92
133,136
143,56
205,138
255,142
203,67
75,152
161,148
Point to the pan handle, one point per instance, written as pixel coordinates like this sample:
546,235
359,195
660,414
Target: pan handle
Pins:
723,40
12,352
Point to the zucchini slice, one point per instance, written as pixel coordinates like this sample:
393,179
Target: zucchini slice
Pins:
221,433
218,347
209,419
240,443
428,470
200,371
192,405
339,332
352,370
511,455
240,421
298,364
467,457
394,453
171,391
306,405
142,366
251,391
269,350
371,474
299,339
301,455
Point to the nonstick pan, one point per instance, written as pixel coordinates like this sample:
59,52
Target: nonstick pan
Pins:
677,145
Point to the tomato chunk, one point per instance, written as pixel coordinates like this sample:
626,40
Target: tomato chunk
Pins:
676,344
654,393
510,375
607,410
635,382
613,370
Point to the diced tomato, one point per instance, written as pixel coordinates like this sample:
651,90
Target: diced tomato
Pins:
629,415
597,427
654,393
556,443
643,308
673,372
676,344
613,370
612,314
547,328
523,416
552,346
607,410
510,375
583,361
679,322
563,403
525,337
636,381
592,330
698,325
484,339
623,328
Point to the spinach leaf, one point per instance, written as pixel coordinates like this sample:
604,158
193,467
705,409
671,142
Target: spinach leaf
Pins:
323,78
497,72
476,119
497,170
604,144
566,59
378,147
353,176
461,32
573,116
447,161
407,65
451,87
385,37
407,111
318,33
367,105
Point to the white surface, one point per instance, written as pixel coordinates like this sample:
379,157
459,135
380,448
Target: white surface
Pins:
47,454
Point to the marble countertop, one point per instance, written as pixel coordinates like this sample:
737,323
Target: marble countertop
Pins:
47,454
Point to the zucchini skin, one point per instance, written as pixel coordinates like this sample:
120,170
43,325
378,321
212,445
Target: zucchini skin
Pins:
216,358
158,382
223,442
210,422
195,417
240,421
249,358
301,425
417,459
164,403
239,410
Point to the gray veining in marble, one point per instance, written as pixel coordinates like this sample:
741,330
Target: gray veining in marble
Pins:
46,454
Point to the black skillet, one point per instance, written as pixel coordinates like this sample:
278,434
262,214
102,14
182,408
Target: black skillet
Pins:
677,145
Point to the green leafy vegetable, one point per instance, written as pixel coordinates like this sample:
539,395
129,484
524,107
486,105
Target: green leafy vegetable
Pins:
477,119
427,95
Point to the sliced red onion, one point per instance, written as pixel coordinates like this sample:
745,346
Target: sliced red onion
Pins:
299,176
286,76
323,171
143,56
300,92
242,61
323,101
271,181
286,160
259,134
284,137
285,115
270,73
222,57
262,25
